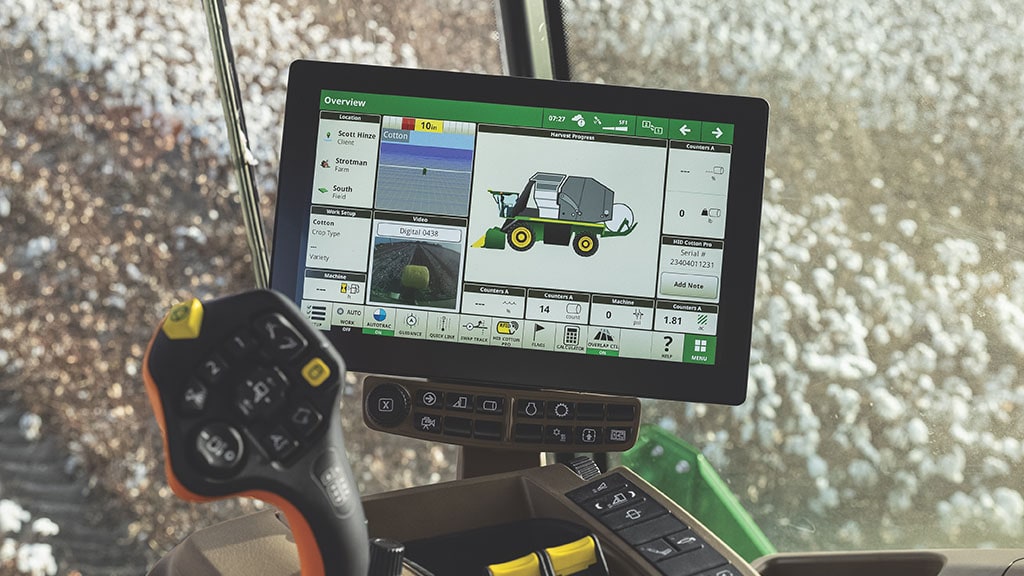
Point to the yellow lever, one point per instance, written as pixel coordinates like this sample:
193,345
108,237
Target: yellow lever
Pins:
573,557
528,565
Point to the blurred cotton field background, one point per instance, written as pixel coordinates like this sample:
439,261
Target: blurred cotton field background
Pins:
885,401
117,200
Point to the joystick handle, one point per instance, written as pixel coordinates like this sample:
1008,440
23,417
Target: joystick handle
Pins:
246,393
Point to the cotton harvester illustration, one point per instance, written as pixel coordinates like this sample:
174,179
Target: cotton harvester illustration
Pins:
565,209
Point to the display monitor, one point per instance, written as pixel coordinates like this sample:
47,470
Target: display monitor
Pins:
519,232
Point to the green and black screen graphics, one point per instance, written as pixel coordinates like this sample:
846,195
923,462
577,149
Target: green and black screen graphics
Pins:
520,232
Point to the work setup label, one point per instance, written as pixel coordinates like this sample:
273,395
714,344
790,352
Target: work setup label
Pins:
333,235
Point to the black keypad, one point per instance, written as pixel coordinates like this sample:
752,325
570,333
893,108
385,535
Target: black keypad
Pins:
561,421
588,419
648,527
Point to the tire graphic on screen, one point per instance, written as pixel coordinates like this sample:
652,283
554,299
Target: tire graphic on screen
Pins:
585,243
521,238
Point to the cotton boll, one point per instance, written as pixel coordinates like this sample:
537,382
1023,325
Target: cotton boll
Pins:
993,467
951,466
880,335
30,426
12,516
917,431
8,550
1011,447
878,212
36,560
862,472
887,405
1011,503
45,527
907,227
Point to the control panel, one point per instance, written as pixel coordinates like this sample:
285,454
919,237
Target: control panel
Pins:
660,536
536,420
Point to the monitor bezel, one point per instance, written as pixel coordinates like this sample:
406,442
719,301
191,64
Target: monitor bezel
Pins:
725,382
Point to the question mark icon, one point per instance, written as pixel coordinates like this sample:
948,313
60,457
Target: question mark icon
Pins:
668,342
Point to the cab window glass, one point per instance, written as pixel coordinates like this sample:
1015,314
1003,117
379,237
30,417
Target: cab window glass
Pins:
884,389
117,199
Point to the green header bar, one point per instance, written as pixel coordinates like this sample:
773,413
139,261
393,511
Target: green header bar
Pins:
525,116
684,130
429,108
598,122
652,127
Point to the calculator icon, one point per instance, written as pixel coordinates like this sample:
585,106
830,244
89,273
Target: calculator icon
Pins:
571,336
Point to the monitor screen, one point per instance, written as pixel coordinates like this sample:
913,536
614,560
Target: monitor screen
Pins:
519,232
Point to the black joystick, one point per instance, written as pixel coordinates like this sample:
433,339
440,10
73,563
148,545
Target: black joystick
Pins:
246,393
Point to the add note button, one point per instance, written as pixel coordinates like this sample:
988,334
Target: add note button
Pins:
688,285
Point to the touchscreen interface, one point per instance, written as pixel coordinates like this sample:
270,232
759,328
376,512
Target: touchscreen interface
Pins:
515,232
563,231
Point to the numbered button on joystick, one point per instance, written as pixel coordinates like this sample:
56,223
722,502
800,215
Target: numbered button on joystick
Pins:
281,341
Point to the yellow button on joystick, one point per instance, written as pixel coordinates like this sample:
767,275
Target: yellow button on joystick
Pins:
316,372
184,320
